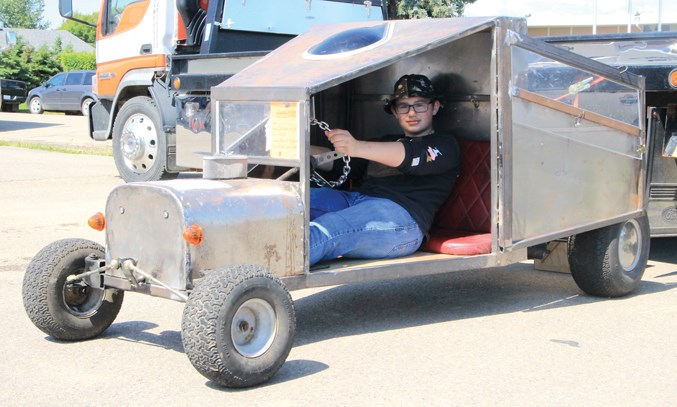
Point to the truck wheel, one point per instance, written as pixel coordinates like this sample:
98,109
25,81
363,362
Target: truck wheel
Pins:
84,106
610,262
139,143
68,311
238,326
35,105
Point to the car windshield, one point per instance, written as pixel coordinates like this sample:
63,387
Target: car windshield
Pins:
58,80
88,78
74,78
262,131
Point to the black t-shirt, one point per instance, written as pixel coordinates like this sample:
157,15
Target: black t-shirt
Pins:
421,183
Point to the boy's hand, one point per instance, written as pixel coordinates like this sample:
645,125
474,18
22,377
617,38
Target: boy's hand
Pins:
343,141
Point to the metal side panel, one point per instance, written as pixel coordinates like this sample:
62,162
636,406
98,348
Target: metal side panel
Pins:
567,176
345,271
243,221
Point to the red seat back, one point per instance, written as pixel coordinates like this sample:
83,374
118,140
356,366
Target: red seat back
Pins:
462,226
468,208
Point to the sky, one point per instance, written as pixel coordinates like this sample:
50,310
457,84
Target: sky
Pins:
539,12
578,12
52,10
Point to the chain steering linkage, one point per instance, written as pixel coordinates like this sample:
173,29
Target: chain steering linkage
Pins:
317,178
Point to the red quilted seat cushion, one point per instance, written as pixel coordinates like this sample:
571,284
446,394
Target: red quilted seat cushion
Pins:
462,225
459,243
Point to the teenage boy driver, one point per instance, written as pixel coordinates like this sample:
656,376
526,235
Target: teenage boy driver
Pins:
406,180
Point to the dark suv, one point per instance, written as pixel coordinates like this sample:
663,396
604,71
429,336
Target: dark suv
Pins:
66,92
13,93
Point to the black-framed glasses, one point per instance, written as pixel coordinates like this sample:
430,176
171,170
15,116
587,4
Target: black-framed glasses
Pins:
419,107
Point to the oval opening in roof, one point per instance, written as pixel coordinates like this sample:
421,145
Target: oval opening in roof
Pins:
350,42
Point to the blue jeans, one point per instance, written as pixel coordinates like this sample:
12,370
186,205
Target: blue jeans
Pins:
351,224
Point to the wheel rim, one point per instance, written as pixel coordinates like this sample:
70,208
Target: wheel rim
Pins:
82,300
35,105
253,328
139,143
629,245
85,106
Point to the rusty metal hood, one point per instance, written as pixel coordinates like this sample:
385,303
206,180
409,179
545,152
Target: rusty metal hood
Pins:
291,72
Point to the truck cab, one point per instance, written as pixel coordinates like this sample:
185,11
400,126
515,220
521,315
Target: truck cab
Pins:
154,56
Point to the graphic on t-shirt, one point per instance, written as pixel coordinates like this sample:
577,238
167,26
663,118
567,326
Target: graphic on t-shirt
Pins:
433,152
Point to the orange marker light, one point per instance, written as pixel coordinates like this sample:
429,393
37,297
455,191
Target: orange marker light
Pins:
204,4
97,221
193,234
672,78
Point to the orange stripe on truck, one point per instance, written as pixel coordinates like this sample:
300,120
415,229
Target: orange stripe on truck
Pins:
109,74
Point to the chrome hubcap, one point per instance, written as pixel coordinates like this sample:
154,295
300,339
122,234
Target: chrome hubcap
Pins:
629,245
139,143
85,107
35,105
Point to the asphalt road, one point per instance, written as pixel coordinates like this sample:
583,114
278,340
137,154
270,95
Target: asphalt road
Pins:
510,336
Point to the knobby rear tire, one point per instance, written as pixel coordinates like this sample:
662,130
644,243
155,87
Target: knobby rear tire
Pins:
610,262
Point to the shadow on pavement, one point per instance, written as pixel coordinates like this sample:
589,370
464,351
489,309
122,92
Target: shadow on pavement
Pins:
664,249
13,125
137,331
291,370
388,305
373,307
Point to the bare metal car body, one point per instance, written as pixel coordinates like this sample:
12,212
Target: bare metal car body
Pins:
565,160
551,179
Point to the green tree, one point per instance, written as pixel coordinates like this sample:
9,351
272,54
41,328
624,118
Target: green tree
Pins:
78,60
42,64
23,14
82,31
25,63
12,61
406,9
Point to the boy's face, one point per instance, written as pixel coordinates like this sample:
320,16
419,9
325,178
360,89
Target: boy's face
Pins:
415,124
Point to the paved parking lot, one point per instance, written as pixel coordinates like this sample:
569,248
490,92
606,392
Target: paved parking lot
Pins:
53,129
508,336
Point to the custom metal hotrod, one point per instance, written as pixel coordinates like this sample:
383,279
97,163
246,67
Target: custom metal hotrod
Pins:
551,153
